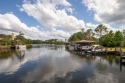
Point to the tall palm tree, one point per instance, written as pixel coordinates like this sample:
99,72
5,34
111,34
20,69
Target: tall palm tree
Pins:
20,33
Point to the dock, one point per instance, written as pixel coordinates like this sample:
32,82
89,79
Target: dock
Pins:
122,55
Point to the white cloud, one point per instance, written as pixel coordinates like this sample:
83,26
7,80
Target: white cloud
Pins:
109,27
12,65
53,14
10,23
54,69
91,26
109,11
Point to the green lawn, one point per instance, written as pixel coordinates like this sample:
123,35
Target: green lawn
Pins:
123,49
113,48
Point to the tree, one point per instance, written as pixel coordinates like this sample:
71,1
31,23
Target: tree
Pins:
73,37
101,30
20,39
118,38
112,39
89,34
82,35
107,39
123,42
82,30
6,40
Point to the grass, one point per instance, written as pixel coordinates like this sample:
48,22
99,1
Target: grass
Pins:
113,48
123,49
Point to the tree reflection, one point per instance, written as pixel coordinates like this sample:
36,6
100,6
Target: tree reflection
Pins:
6,53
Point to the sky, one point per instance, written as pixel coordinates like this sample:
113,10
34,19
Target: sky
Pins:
46,19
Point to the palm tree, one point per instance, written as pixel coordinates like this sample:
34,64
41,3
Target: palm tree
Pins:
20,33
20,38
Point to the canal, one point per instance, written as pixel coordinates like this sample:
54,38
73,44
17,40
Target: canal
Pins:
54,64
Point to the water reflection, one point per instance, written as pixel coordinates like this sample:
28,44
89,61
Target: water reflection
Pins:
20,54
122,64
6,54
53,64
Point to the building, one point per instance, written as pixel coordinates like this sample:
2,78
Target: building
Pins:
10,37
85,42
1,36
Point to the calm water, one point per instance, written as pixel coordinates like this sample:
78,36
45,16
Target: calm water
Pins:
53,64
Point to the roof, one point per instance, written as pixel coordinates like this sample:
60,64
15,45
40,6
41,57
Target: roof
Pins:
1,35
85,41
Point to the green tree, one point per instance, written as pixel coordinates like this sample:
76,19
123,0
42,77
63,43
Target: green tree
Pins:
118,38
21,39
6,40
90,34
123,42
112,39
73,37
100,30
82,35
107,39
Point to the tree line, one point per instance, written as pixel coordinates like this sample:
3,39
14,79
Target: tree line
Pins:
101,35
21,40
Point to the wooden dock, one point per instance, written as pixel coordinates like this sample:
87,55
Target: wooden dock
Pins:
122,56
117,50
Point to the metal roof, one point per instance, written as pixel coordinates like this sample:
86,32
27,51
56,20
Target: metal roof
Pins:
85,41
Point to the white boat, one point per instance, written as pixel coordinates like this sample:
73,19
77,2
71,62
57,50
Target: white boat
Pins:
71,48
98,48
85,48
20,47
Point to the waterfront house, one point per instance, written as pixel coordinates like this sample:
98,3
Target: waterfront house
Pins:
10,37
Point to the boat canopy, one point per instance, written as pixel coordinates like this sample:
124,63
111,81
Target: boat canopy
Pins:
85,42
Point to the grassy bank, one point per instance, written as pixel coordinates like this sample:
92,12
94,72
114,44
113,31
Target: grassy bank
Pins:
28,45
113,48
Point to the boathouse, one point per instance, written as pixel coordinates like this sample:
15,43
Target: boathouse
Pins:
85,42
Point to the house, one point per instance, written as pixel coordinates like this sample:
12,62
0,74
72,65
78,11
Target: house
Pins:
1,36
10,37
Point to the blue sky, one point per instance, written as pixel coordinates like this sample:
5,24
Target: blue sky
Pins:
12,6
45,19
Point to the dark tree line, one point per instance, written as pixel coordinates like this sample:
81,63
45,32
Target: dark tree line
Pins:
86,35
112,39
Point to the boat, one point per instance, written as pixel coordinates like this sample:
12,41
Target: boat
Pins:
70,47
96,49
20,47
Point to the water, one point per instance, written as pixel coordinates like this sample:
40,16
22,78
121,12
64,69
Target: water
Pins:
53,64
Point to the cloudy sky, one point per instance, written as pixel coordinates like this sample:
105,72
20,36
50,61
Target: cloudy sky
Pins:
45,19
